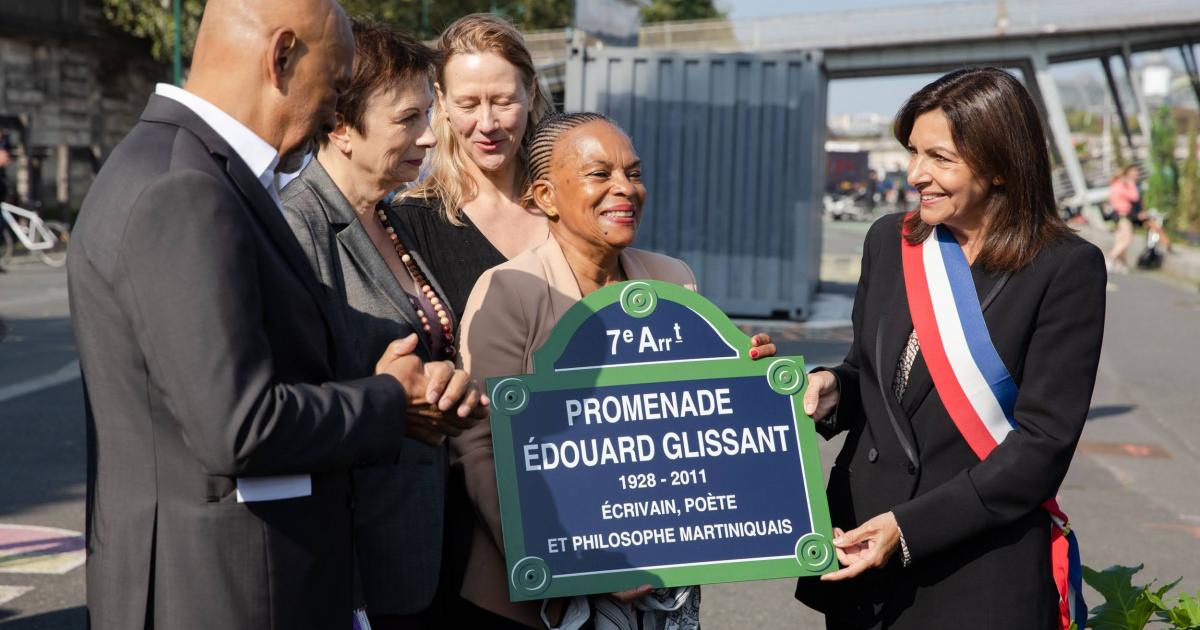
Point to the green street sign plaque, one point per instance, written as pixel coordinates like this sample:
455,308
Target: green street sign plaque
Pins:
647,448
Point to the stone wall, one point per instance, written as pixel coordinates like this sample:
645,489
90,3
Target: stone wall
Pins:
78,97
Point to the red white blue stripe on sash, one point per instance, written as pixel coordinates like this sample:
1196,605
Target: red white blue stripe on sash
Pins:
973,383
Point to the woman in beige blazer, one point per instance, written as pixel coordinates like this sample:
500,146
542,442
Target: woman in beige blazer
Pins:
587,180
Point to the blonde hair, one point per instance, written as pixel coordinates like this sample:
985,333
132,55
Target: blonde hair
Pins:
449,179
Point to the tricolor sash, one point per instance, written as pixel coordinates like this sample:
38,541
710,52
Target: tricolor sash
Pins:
973,383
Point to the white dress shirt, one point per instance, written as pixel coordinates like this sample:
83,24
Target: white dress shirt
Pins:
262,158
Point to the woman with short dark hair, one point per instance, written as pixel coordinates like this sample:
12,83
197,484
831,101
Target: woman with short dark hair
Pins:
378,290
977,329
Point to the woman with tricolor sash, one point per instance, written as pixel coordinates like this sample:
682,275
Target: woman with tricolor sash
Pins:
977,329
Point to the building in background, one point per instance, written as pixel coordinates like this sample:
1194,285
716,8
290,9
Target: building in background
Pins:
70,88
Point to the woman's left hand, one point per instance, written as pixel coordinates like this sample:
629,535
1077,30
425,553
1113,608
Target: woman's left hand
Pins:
869,546
761,346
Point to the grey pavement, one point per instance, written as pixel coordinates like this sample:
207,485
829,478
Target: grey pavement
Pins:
1132,491
1181,262
42,450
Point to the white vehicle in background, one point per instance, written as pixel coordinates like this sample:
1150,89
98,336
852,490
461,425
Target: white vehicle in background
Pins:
847,207
47,239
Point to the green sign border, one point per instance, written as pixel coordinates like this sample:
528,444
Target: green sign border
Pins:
528,574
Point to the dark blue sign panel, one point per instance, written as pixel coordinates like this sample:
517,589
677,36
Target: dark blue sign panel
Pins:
648,448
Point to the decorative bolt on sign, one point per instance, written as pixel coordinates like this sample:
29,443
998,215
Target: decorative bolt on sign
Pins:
647,448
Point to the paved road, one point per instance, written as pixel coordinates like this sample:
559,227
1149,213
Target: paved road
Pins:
42,453
1132,490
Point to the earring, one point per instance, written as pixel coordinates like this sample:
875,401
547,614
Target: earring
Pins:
551,213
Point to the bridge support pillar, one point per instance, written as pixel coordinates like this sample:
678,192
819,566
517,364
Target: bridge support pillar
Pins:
1139,100
1060,131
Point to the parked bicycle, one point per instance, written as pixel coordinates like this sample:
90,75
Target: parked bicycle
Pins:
47,239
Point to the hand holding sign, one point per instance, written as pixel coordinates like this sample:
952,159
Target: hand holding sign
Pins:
869,546
822,396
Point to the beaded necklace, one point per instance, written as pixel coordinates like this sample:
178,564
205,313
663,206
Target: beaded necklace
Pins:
423,285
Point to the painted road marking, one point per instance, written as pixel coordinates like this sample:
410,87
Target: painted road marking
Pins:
1176,527
1123,449
64,374
33,549
9,593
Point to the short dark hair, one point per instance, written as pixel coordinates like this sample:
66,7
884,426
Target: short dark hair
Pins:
384,57
998,131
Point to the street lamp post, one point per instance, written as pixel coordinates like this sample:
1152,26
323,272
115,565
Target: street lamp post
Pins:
177,56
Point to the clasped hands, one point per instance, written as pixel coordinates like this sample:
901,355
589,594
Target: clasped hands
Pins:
443,401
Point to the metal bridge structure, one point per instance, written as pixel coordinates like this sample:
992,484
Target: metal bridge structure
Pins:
1025,35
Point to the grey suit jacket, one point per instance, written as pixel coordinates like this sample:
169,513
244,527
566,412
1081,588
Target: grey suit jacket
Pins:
206,355
398,508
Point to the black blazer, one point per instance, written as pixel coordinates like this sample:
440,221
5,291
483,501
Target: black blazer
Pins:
207,356
978,539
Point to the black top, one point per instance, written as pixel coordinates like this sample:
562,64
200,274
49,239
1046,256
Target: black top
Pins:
975,530
455,255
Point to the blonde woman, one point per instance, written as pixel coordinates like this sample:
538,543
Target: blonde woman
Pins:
466,215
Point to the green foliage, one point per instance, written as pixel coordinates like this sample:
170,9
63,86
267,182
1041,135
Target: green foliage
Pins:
667,10
154,20
1162,187
1129,607
1125,607
427,18
1117,138
1187,212
1185,614
1083,121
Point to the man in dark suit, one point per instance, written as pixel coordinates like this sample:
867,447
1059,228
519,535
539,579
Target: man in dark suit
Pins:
218,495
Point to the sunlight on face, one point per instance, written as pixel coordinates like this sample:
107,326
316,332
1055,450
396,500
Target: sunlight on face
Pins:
951,192
487,103
598,188
396,134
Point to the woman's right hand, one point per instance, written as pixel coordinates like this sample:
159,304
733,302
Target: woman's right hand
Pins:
822,395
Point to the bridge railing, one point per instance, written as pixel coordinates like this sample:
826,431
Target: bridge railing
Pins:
911,24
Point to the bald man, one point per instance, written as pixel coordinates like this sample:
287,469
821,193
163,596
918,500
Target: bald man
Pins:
218,494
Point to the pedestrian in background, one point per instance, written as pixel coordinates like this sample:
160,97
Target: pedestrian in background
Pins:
378,289
219,441
1125,199
977,329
